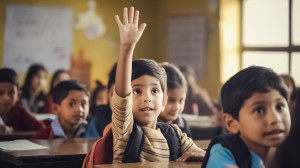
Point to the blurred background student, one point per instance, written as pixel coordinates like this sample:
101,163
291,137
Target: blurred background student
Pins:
33,97
176,92
102,112
99,97
12,115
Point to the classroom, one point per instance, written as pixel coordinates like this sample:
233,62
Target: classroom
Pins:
140,83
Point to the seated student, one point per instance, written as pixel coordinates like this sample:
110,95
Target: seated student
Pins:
98,97
102,112
177,90
138,99
71,104
256,112
287,155
33,97
12,115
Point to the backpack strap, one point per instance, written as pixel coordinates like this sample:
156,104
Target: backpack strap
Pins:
172,138
236,146
134,146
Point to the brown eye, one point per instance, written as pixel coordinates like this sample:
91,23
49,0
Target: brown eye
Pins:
137,91
259,110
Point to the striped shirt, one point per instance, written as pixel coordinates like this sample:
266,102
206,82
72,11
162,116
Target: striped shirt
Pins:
155,147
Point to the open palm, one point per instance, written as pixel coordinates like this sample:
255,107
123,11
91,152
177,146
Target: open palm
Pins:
130,33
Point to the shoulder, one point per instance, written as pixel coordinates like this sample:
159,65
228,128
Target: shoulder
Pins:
220,157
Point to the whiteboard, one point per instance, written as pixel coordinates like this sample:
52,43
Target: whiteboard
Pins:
186,41
36,34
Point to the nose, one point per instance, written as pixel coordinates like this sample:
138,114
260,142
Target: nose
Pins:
274,117
176,106
147,98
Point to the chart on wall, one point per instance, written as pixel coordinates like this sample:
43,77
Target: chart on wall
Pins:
35,34
186,41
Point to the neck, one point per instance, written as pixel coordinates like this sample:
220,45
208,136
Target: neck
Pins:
34,94
265,153
69,129
149,125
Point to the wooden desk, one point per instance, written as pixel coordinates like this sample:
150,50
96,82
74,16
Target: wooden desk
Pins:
61,153
16,135
152,165
202,127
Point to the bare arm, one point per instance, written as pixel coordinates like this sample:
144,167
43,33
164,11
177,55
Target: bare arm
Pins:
130,34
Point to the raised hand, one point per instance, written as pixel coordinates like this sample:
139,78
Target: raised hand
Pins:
130,33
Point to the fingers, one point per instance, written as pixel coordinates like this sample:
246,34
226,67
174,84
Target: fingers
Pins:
142,28
136,17
125,16
118,20
131,12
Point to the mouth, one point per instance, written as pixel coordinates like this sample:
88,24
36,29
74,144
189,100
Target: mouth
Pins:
78,117
276,133
145,109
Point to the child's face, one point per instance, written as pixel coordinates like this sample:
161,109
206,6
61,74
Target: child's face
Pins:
175,105
8,96
148,100
264,120
39,81
73,110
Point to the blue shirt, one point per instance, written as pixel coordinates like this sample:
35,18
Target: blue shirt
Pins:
59,131
221,157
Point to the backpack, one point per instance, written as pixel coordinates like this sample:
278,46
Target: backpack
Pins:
102,150
237,147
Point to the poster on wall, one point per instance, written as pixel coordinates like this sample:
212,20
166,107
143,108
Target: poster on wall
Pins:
35,34
186,41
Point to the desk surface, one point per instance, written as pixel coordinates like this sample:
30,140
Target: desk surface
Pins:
152,165
16,135
57,148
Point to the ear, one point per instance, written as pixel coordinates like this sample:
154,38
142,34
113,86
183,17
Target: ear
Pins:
231,124
55,108
164,103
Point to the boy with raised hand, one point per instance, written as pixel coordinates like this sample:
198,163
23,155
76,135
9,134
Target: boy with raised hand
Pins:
138,99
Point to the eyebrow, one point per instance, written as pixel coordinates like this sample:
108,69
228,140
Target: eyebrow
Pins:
260,102
136,85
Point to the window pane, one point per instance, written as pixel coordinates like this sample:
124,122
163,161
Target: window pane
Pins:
278,61
296,22
265,23
295,67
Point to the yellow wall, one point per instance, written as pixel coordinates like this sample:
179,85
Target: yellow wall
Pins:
103,51
211,80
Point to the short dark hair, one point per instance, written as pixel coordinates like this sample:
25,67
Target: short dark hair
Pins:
245,83
112,76
175,78
8,75
149,67
61,90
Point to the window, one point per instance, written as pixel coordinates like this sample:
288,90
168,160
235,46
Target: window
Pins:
270,35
